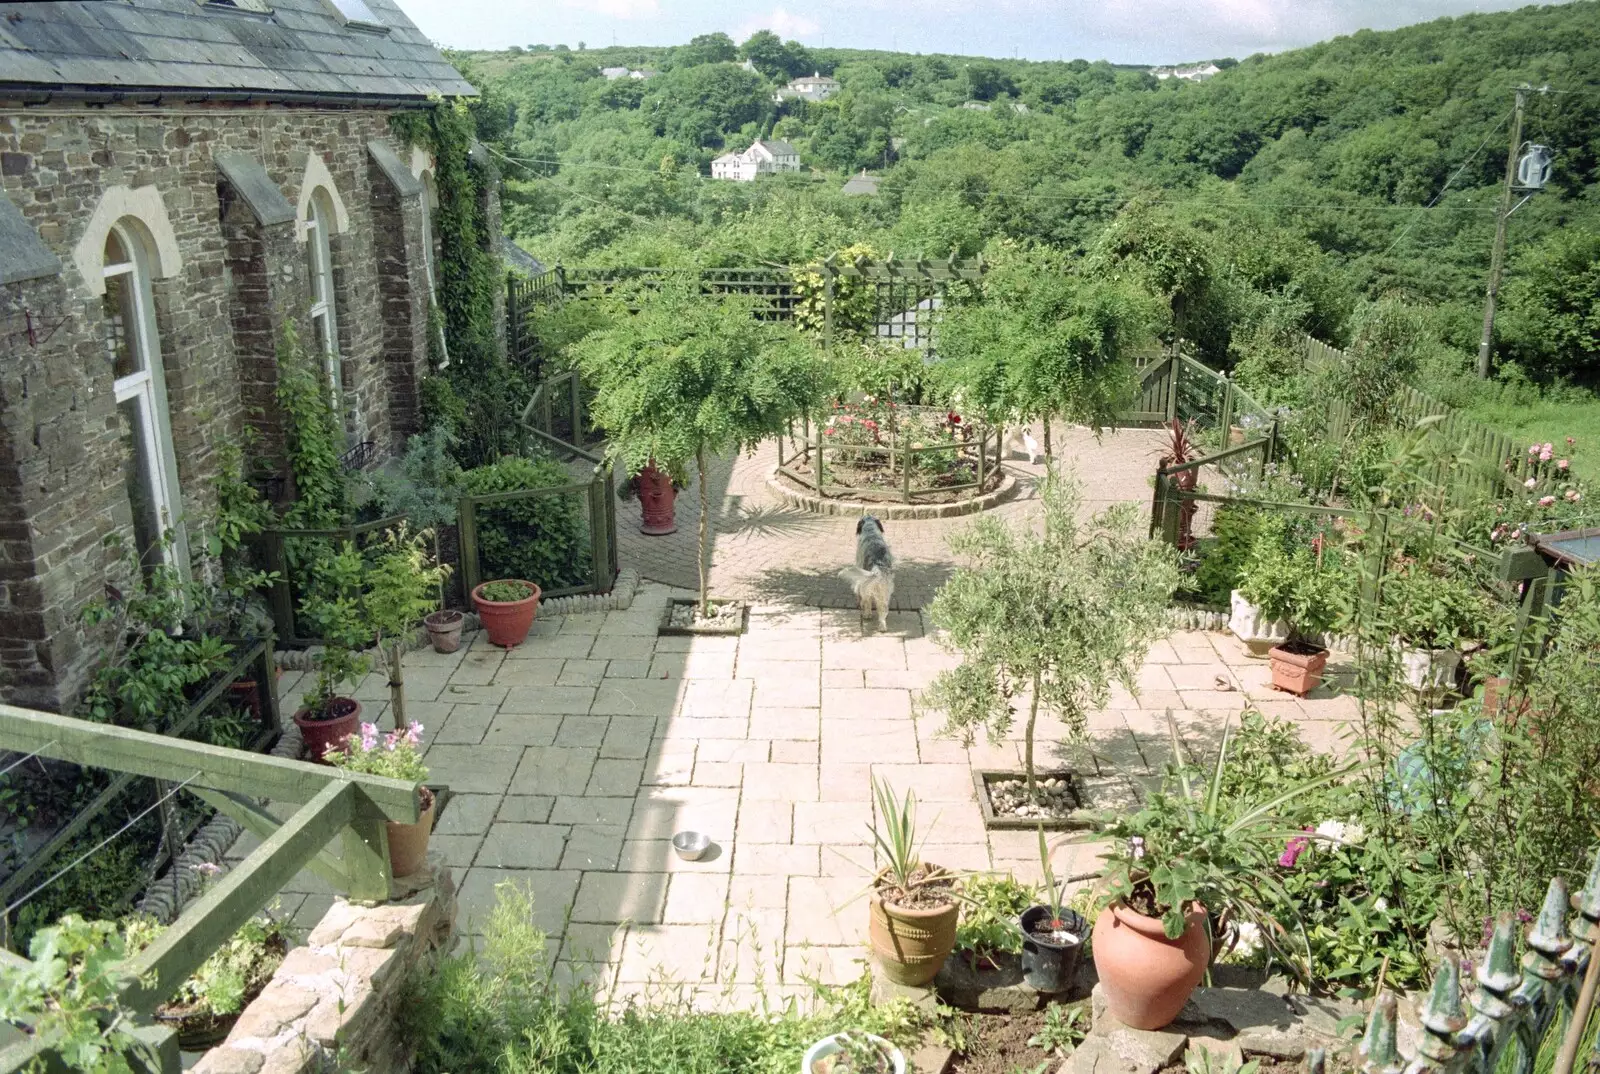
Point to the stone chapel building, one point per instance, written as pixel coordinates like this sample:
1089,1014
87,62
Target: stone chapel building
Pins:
179,179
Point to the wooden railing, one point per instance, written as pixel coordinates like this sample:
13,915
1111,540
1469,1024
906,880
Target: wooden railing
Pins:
254,659
335,805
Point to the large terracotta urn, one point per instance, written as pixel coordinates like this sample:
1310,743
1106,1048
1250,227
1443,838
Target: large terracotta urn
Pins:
657,498
1146,977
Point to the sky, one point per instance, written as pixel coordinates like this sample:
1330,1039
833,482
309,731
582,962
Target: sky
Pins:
1122,31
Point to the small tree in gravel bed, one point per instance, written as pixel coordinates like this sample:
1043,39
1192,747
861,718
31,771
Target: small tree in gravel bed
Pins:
1054,612
690,375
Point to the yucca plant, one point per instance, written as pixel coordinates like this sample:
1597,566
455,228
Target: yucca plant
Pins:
894,835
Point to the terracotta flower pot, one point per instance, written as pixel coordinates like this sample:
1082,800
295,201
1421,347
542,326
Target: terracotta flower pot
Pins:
657,502
1146,977
1298,669
507,622
911,944
444,629
408,843
322,735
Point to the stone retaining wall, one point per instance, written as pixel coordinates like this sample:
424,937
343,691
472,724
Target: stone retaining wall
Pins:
339,996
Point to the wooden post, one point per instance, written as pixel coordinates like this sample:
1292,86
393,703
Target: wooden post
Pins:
467,538
827,314
1172,383
366,860
983,451
1497,257
281,599
905,476
596,539
577,408
1158,502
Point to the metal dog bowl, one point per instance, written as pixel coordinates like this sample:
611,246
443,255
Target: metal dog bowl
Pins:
691,846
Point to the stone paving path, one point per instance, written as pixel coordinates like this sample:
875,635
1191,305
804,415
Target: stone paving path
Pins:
765,550
575,757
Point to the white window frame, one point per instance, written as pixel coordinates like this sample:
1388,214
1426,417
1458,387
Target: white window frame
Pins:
324,305
147,388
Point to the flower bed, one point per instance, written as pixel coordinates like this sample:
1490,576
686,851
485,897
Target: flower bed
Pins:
877,450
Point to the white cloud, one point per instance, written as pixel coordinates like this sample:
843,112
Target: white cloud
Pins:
618,9
780,22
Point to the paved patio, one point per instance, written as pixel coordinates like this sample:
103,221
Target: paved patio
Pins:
575,757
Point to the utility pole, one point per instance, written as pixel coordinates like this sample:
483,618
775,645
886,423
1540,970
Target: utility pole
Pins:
1497,261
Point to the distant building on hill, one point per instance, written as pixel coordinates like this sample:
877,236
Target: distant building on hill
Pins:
763,157
976,106
859,185
816,88
1189,72
611,74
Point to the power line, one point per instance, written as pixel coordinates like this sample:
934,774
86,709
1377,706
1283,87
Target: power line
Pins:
28,758
1454,176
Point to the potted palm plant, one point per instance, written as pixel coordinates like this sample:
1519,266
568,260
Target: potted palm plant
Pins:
913,906
394,755
506,608
1052,935
1185,858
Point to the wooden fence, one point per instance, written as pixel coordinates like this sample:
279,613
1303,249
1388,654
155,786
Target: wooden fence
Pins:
280,556
252,667
334,804
1495,461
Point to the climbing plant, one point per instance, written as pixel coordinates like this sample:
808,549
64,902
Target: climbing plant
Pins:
855,298
486,392
312,436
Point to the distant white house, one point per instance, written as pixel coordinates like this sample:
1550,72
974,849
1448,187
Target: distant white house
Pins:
976,106
763,157
860,185
1189,72
611,74
818,87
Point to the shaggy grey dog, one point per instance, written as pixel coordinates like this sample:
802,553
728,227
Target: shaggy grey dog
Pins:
872,577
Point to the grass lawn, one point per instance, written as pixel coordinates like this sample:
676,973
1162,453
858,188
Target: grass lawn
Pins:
1550,421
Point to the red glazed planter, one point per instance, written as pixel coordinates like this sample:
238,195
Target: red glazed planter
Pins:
657,502
506,622
1297,673
1146,977
323,735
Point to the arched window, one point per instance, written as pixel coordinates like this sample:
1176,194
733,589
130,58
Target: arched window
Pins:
319,276
430,206
134,351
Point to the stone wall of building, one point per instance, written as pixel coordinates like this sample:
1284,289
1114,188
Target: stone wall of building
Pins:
339,997
227,283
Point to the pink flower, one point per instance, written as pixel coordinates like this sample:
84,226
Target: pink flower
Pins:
390,739
1562,464
1574,495
1546,501
369,736
208,868
414,733
1292,851
1548,447
1532,482
1544,456
1533,449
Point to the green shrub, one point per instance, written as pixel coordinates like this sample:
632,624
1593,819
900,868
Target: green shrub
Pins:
541,539
498,1009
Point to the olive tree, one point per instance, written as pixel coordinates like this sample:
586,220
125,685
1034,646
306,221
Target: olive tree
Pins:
1044,342
1051,615
687,376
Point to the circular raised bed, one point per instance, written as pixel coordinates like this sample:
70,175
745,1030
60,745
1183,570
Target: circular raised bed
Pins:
892,461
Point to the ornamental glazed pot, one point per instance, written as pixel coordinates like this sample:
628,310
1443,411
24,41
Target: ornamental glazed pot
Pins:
507,622
408,843
1146,977
657,501
1249,626
323,735
1429,670
911,943
1298,670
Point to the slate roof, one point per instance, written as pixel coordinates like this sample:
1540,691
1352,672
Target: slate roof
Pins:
302,49
777,147
860,184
